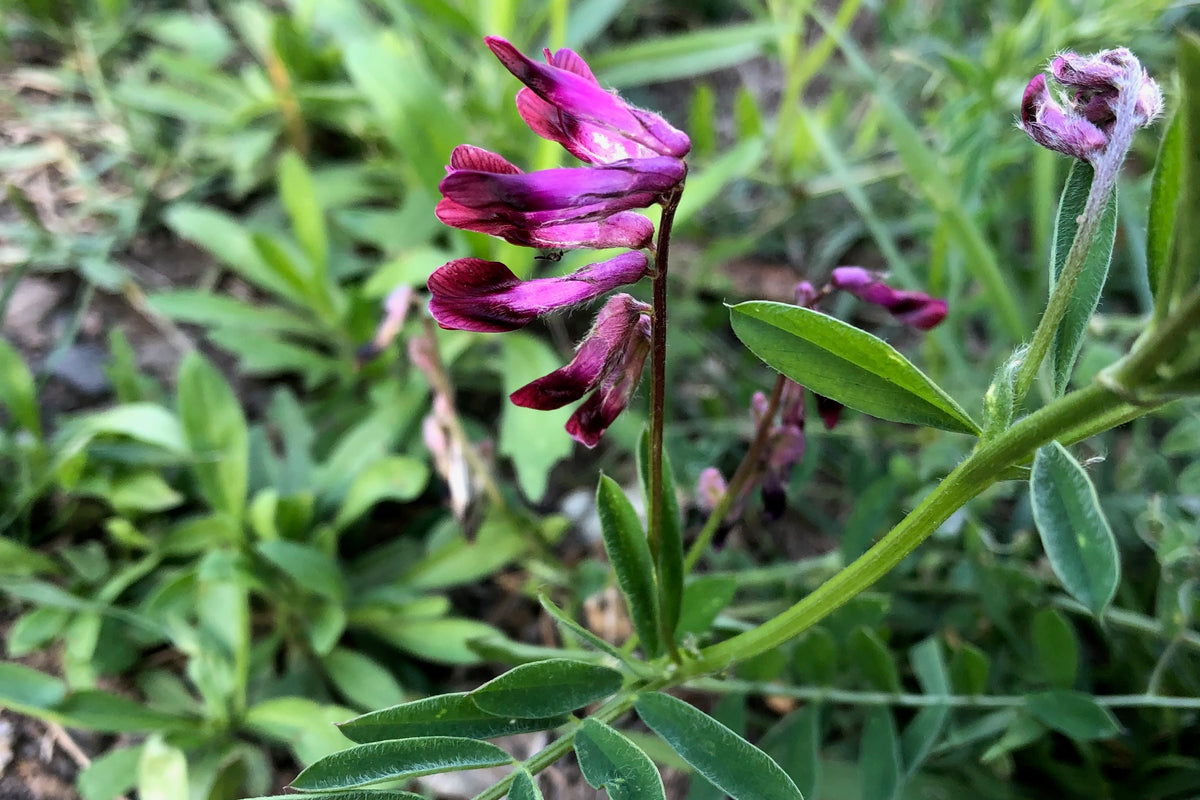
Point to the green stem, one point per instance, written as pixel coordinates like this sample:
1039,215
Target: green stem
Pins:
981,468
817,694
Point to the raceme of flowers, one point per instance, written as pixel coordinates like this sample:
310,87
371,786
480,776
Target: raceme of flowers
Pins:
634,160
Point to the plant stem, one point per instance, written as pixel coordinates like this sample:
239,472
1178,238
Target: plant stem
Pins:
817,694
740,476
658,399
981,468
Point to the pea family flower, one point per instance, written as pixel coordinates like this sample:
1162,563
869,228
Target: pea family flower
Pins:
566,104
912,308
634,160
1111,96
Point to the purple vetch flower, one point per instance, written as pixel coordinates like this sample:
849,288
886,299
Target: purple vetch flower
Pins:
603,406
566,104
912,308
469,208
1112,96
598,355
710,488
472,294
608,363
557,196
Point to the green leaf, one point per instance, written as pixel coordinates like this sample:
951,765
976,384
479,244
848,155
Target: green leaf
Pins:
1165,188
398,478
670,550
18,560
1022,731
309,728
923,732
1074,531
162,771
1057,647
1184,265
629,554
611,762
523,786
98,710
145,422
1073,713
299,197
444,715
566,623
703,599
1082,305
34,629
312,569
362,680
220,311
26,689
17,392
216,432
872,657
111,774
839,361
398,759
502,537
969,668
445,641
795,744
547,688
683,55
720,755
533,440
221,234
879,757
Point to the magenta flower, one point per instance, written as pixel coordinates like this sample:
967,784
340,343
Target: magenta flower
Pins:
912,308
557,208
1109,87
566,104
471,294
608,363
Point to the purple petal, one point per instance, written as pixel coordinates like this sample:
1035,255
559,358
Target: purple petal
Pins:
600,352
829,410
574,91
912,308
468,156
591,420
476,295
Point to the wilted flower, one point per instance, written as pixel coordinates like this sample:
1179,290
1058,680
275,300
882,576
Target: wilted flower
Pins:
608,363
1113,95
710,488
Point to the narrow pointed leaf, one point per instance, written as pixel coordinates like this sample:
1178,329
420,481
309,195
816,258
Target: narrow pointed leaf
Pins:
843,363
566,623
17,393
26,689
523,786
1073,713
444,715
879,762
547,688
727,760
215,428
1185,260
923,732
1164,207
1075,534
795,743
670,550
358,794
611,762
1082,305
629,554
398,759
299,197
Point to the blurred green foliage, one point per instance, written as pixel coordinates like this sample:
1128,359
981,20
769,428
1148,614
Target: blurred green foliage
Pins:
292,558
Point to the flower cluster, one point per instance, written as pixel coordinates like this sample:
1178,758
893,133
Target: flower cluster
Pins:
784,442
1111,95
634,160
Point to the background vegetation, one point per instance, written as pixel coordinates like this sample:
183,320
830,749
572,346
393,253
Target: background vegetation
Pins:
221,533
